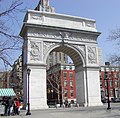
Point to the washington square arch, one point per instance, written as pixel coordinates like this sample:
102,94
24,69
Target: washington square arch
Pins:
45,31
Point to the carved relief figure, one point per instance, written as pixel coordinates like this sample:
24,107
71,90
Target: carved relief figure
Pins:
92,55
35,51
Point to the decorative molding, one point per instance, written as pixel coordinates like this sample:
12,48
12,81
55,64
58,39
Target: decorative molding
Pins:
52,34
92,56
90,24
47,46
81,48
38,17
36,51
44,34
65,35
83,37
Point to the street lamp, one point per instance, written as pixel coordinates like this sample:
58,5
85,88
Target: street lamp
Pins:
107,80
28,110
52,93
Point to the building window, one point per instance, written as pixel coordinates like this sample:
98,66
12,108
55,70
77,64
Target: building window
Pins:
71,84
111,92
116,93
105,83
102,94
118,75
65,83
101,83
71,75
72,93
111,83
64,67
106,92
116,83
50,64
70,67
115,75
65,94
20,64
65,75
100,76
59,56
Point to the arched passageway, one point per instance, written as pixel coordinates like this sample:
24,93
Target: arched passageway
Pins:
78,59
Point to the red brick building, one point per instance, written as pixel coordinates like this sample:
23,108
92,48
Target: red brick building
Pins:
113,76
61,83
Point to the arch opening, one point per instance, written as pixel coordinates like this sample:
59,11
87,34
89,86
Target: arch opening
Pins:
75,54
57,85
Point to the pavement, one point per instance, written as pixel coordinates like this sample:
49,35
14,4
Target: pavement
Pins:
74,112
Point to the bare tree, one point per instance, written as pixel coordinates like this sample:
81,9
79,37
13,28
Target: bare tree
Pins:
9,40
115,37
55,85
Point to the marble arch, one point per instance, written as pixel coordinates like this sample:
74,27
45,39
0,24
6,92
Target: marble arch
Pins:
44,32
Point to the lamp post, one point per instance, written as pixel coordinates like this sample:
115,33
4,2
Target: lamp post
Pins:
28,110
107,80
52,93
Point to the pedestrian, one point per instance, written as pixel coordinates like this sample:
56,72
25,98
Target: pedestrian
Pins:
17,106
10,102
66,103
14,106
5,103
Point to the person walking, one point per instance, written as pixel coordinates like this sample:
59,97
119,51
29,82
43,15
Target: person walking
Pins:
10,102
17,106
66,103
5,102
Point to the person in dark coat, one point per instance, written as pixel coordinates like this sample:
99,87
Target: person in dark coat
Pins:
66,103
10,103
5,102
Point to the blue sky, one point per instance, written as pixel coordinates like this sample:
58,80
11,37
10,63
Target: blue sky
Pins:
105,12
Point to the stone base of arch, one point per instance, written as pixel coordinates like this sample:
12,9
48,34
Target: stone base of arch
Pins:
88,86
37,91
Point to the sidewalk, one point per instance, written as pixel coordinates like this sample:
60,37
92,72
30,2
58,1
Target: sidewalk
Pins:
79,112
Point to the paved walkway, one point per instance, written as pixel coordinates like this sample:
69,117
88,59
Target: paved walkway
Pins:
80,112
